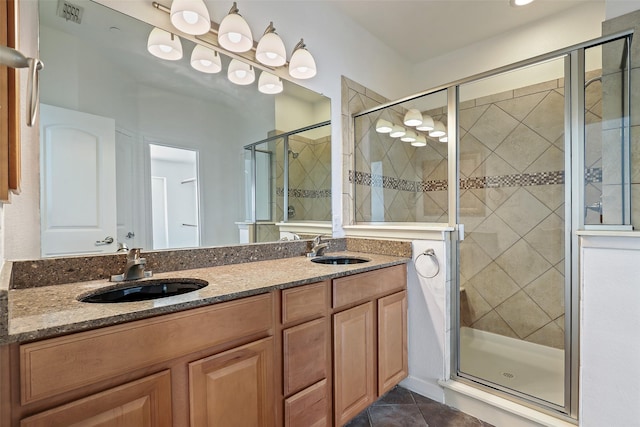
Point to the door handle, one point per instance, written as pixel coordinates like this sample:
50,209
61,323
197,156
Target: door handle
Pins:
107,241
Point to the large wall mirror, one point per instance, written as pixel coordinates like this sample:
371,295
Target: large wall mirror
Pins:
175,137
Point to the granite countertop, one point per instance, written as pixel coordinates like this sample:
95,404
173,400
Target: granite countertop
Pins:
42,312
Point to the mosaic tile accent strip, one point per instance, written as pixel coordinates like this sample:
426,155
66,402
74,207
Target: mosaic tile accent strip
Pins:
592,175
305,194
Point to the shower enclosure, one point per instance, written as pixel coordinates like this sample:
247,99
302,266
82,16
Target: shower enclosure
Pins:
538,151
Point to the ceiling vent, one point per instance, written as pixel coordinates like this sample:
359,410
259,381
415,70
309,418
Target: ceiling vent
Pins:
70,11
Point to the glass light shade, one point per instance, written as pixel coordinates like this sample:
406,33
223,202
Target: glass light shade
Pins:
443,139
409,136
383,126
205,60
269,84
438,130
427,123
397,132
190,16
302,65
413,117
164,45
234,34
240,73
271,51
420,141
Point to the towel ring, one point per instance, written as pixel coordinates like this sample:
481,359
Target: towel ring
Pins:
431,254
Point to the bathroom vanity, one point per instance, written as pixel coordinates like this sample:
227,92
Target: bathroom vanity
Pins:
312,346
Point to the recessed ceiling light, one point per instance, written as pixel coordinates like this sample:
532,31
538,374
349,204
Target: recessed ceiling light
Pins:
520,2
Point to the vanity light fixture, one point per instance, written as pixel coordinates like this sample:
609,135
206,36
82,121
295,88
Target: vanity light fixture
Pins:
383,126
269,83
205,60
164,45
444,139
302,65
190,16
438,130
397,131
240,73
427,123
270,50
234,33
413,117
409,136
420,141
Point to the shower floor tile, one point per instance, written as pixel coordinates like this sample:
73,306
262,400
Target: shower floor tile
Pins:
403,408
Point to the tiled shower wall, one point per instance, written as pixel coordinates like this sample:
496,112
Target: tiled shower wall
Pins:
309,179
512,259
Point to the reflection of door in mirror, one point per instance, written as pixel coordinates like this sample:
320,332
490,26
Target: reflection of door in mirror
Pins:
78,182
174,197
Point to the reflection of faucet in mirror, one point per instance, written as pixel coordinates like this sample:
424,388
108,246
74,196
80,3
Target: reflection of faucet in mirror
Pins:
134,269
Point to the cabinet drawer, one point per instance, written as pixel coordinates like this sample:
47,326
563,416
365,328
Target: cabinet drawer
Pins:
305,355
143,403
304,302
61,364
359,287
309,408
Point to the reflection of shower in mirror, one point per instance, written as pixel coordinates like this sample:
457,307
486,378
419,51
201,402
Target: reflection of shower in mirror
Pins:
293,154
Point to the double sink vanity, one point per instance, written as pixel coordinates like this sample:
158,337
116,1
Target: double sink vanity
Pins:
270,339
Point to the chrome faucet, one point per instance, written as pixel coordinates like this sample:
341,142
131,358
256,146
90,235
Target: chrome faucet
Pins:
318,247
134,269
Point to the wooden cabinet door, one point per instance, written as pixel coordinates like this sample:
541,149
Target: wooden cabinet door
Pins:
234,388
142,403
392,341
309,408
304,355
354,357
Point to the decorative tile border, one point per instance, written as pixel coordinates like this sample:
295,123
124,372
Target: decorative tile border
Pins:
305,194
592,175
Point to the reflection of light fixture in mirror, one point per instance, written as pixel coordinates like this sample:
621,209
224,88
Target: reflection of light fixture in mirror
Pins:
240,73
443,139
302,65
164,45
427,123
438,130
420,141
409,136
413,117
270,50
397,131
205,60
383,126
190,16
234,33
270,84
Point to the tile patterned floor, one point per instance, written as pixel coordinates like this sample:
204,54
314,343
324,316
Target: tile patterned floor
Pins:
403,408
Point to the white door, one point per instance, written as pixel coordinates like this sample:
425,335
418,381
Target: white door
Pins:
78,182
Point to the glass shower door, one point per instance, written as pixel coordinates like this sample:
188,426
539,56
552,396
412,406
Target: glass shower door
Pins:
512,205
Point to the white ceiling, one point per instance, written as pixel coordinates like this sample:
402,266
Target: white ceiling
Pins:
424,29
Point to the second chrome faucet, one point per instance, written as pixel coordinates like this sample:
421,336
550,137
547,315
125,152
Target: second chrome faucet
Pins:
134,269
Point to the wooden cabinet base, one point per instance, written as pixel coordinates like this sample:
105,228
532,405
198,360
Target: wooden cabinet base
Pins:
142,403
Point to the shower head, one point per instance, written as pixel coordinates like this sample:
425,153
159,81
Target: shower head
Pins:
294,154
